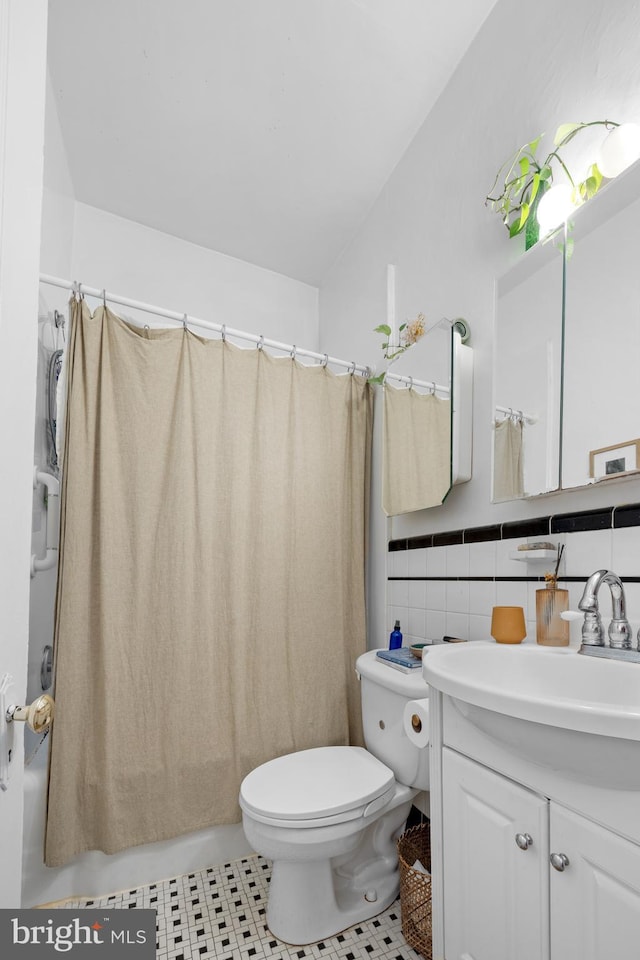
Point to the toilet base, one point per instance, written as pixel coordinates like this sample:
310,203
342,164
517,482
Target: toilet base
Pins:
310,900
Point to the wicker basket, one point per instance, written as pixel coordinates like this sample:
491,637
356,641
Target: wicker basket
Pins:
415,888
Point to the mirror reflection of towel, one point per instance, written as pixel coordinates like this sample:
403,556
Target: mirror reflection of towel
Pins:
508,468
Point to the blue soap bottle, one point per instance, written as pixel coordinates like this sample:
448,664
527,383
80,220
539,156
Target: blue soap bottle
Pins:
395,640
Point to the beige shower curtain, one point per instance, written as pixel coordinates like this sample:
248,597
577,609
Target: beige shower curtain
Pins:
508,460
211,586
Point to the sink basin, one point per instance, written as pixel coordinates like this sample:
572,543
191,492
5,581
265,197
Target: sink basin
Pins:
593,706
560,688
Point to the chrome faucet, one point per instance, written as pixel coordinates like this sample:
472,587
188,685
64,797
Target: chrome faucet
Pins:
620,635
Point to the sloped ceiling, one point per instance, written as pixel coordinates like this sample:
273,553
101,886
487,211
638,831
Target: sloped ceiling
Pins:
263,129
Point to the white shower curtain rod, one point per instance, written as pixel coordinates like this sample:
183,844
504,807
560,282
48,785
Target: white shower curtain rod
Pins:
429,385
222,329
513,414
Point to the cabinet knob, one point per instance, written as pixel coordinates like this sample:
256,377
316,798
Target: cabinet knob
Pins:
523,840
559,861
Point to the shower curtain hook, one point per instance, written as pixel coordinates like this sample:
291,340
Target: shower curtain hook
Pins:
80,293
184,323
223,332
104,298
410,383
293,352
325,360
352,368
520,417
260,343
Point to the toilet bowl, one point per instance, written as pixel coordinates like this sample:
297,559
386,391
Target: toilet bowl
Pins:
328,818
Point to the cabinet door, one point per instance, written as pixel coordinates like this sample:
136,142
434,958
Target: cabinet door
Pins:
595,900
495,893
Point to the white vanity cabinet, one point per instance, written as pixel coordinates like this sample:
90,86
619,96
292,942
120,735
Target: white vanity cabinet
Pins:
595,901
502,897
495,891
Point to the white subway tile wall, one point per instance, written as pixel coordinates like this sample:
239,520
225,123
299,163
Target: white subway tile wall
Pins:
429,609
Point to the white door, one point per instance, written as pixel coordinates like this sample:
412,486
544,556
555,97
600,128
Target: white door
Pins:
496,867
595,899
23,39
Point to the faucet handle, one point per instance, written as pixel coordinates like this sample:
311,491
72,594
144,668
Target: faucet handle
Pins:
592,631
620,634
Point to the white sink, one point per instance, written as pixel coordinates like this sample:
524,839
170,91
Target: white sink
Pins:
593,705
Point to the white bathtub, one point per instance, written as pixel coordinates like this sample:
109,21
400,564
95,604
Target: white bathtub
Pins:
96,874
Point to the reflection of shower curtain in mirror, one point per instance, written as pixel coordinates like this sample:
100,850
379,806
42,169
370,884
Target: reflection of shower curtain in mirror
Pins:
211,587
508,469
416,470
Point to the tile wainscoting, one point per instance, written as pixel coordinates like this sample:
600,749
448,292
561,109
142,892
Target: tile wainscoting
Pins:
447,583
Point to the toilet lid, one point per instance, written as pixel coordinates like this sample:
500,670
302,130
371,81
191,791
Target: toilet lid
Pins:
314,784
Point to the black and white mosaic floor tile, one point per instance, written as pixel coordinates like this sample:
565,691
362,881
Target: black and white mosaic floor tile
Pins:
220,913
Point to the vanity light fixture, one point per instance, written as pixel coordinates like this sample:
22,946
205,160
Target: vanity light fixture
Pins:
555,207
619,150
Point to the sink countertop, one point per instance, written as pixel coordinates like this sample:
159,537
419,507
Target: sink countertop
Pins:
548,685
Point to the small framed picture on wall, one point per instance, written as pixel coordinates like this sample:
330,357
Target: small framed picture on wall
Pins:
619,458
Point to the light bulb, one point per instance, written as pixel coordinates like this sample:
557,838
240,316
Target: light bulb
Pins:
619,150
555,207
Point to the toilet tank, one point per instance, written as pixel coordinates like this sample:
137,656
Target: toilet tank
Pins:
384,693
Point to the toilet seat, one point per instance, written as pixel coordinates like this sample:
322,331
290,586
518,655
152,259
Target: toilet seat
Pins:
317,787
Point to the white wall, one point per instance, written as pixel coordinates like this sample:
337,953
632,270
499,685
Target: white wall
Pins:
524,74
58,200
145,264
23,30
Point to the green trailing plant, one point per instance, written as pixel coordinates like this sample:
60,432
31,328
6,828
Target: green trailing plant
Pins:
409,333
523,178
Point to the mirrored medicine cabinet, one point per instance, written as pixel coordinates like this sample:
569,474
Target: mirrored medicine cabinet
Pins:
427,421
567,352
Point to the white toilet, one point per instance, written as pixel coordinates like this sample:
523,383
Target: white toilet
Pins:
329,818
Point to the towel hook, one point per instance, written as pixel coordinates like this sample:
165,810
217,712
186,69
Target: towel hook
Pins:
260,343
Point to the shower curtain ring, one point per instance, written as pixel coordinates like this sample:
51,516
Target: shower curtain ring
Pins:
410,383
261,342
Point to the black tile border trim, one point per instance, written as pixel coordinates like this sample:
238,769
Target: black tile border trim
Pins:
600,518
509,579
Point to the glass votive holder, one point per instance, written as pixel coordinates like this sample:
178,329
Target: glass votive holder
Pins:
507,625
